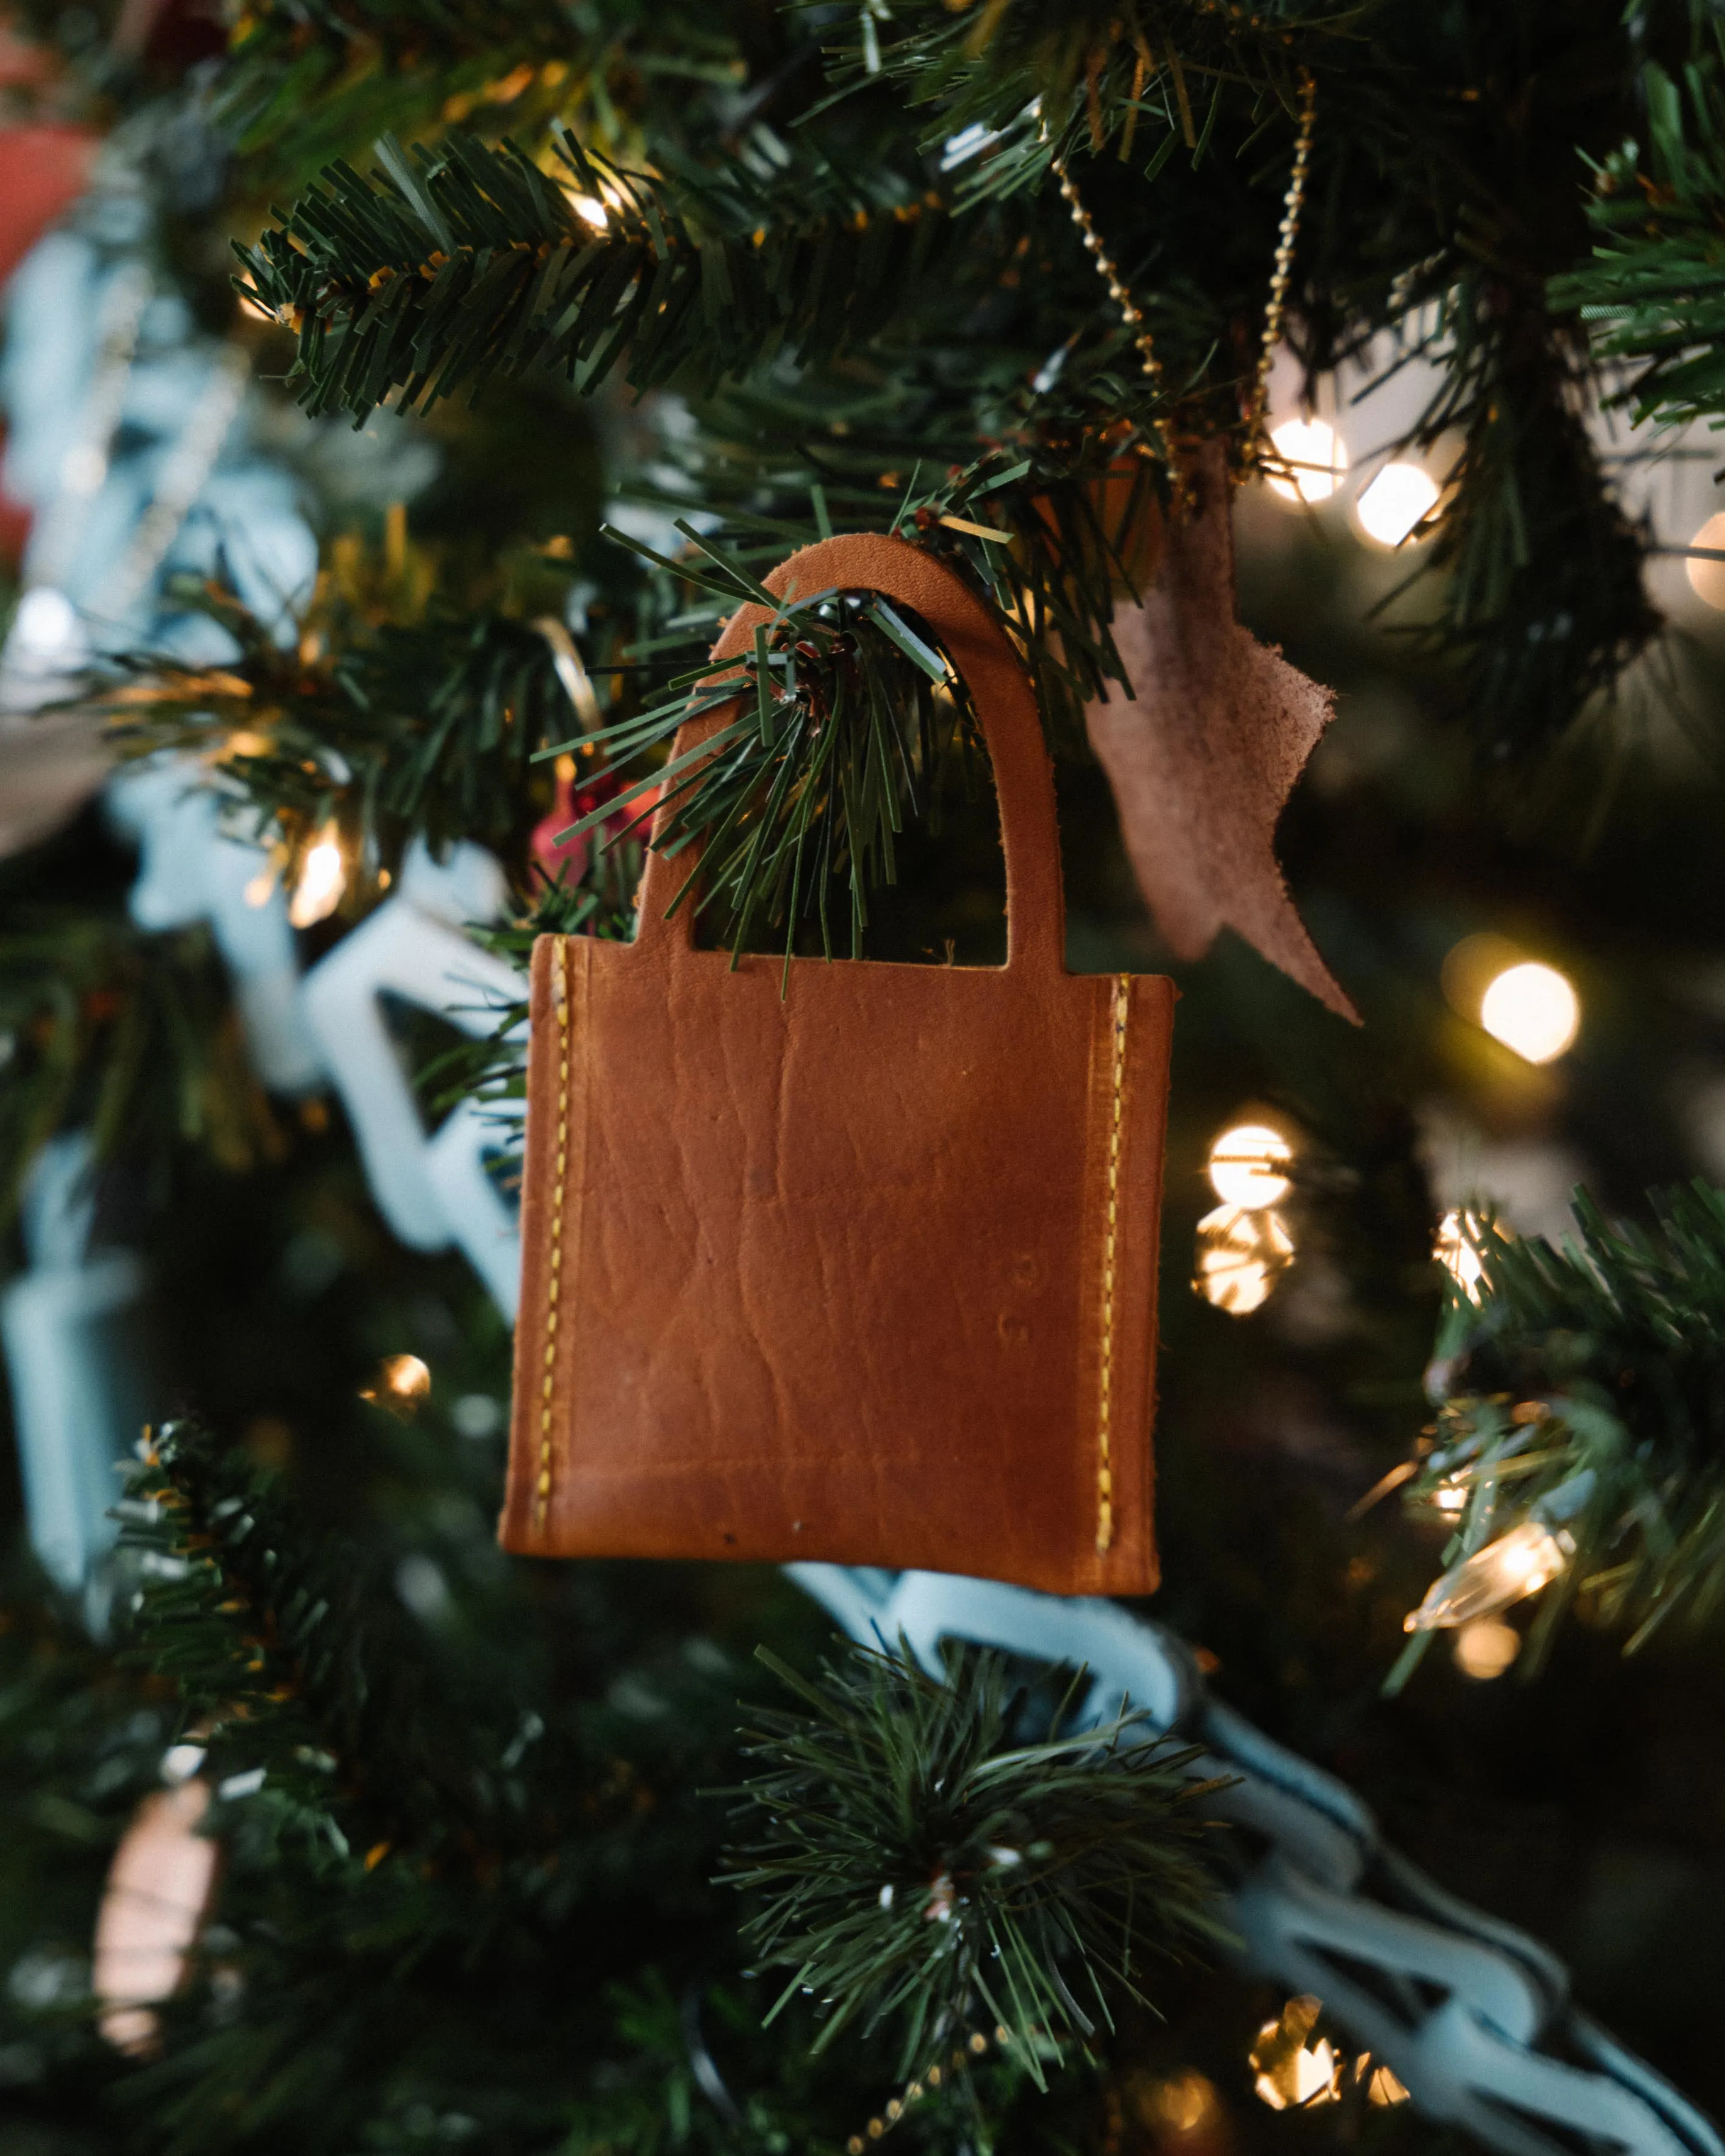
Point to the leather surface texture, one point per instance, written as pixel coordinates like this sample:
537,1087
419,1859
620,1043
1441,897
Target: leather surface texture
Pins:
865,1271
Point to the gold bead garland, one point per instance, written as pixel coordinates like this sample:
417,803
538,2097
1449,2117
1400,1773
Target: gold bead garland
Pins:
1293,202
1108,270
1149,360
963,2056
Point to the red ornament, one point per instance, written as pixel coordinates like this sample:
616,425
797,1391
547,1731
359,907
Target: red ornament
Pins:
567,861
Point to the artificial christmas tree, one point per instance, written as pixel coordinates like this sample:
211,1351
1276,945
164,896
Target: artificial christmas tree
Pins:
453,1847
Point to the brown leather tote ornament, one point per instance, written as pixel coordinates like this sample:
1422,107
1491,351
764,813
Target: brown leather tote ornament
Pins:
865,1271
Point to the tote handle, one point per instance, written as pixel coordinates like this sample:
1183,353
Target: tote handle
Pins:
1005,709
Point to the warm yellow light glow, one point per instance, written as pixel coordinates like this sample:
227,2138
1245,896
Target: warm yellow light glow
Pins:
1314,456
1244,1165
1393,504
404,1377
1385,2088
591,210
1185,2104
1455,1252
1518,1564
1308,2081
1486,1648
1450,1497
1707,579
1240,1254
262,887
1533,1009
1291,2073
323,878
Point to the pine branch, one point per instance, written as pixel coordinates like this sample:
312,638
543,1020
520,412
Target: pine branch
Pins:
1135,82
920,1866
307,83
1585,1391
447,268
130,1035
398,712
1656,286
1541,602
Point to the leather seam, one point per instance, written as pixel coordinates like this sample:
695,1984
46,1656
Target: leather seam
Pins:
560,1002
1104,1460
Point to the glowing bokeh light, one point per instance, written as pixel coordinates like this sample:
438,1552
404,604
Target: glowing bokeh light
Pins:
402,1381
1533,1009
323,878
1244,1165
1394,503
1240,1254
1486,1648
1707,579
1455,1252
1314,456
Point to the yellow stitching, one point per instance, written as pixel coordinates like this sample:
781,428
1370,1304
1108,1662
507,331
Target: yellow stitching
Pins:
560,1000
1105,1462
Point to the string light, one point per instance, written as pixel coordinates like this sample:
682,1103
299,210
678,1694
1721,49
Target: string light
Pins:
590,210
1707,579
323,878
1246,1164
1243,1244
1486,1648
1518,1564
1455,1252
46,622
1241,1252
1185,2103
1395,503
1315,458
1292,2074
1532,1008
401,1384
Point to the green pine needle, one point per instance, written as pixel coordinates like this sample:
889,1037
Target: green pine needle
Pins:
844,722
1586,1390
917,1867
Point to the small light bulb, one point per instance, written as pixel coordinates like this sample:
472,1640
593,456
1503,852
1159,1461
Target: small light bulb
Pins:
1244,1163
1240,1255
46,624
1315,458
403,1385
1291,2073
1395,503
1486,1648
1186,2104
1455,1252
323,878
1518,1564
1385,2087
1533,1009
1450,1497
591,210
1707,579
